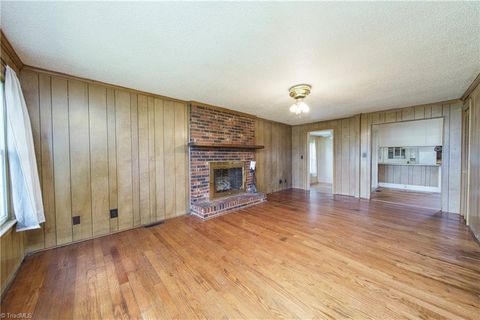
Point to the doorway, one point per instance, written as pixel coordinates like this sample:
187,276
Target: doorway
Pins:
320,161
407,163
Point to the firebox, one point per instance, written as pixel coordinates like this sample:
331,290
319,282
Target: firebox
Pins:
227,178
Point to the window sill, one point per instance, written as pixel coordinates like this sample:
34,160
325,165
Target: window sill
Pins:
4,228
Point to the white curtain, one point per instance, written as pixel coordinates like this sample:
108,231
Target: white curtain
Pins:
24,181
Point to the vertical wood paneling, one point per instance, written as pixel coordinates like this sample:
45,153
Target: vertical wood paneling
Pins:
61,161
159,161
80,158
419,112
346,150
100,148
143,140
260,154
30,86
99,159
181,159
48,187
12,252
112,156
169,157
345,156
135,165
152,159
124,160
408,113
473,219
289,164
268,157
274,162
274,158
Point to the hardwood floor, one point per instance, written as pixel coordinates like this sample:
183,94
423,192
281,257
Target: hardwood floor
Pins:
430,200
299,255
321,187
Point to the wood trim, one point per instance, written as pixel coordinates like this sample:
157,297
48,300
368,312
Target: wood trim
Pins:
470,88
224,146
8,50
226,165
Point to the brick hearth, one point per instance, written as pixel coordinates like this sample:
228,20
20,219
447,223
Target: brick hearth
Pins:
213,126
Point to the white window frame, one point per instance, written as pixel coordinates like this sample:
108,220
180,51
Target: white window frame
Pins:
4,212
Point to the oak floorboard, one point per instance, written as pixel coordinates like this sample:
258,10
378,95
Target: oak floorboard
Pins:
298,255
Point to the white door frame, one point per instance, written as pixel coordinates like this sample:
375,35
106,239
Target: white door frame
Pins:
307,159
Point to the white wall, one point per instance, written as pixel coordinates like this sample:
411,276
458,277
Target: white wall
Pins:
411,133
375,146
325,159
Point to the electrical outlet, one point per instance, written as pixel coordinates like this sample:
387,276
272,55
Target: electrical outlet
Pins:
76,220
280,181
113,213
301,157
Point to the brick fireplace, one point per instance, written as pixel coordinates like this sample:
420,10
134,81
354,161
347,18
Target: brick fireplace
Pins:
227,178
220,142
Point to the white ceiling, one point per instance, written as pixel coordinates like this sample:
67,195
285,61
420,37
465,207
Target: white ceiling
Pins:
244,56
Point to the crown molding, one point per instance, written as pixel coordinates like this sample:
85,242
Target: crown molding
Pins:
471,87
9,56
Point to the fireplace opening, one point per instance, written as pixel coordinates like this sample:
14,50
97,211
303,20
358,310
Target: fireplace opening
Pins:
226,178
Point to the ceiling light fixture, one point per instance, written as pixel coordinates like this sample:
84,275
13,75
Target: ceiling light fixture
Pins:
299,92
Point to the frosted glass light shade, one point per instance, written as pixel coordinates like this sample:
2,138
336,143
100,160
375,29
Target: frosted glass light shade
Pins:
299,107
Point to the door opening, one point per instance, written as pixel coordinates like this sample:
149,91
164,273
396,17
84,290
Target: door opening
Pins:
407,163
320,161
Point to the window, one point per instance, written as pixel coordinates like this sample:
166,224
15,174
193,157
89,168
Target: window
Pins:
313,159
3,185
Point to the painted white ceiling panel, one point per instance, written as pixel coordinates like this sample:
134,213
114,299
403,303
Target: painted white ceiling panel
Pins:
245,55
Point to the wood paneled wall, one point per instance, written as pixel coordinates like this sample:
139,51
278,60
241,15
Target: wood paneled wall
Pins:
346,144
452,134
98,148
473,163
352,149
274,162
413,175
12,252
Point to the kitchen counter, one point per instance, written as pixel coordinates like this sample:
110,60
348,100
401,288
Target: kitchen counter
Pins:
409,164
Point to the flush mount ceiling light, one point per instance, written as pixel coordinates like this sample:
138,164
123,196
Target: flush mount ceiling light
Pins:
299,92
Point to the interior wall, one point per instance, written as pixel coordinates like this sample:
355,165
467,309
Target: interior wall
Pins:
346,146
473,193
313,178
416,133
274,162
324,159
101,147
11,256
451,112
